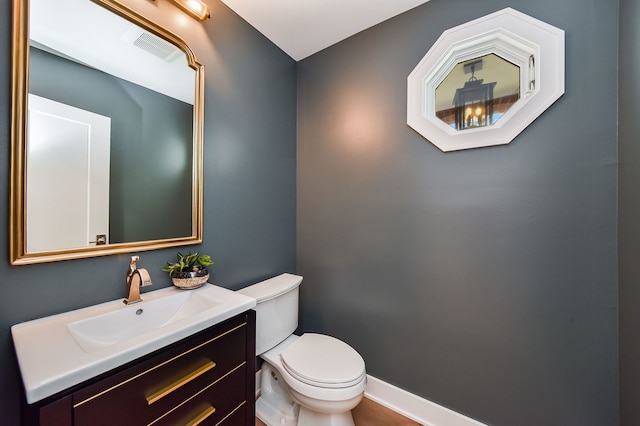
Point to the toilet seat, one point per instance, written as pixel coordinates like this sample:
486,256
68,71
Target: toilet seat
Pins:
323,361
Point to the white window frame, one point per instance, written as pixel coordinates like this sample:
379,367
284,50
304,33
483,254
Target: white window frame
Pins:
536,47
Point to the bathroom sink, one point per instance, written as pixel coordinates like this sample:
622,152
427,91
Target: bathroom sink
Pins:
135,320
60,351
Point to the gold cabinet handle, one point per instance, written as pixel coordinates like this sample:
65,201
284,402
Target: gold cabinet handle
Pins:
202,416
180,382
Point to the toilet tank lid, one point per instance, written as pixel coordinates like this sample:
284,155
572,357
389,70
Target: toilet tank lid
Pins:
273,287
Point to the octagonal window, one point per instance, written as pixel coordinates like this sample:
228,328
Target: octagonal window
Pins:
477,92
484,82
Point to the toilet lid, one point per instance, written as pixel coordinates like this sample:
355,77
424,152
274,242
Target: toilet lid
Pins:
323,361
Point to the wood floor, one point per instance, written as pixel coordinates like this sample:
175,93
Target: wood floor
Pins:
369,413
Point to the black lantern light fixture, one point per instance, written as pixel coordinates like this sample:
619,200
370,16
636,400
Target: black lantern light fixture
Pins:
474,102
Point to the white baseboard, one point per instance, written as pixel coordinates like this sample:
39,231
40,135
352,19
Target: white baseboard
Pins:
411,406
414,407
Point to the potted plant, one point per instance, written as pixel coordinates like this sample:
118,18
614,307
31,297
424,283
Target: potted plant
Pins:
189,271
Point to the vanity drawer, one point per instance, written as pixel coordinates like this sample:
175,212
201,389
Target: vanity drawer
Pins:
214,405
141,394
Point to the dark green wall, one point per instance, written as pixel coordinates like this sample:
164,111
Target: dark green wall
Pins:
145,126
249,190
629,212
483,280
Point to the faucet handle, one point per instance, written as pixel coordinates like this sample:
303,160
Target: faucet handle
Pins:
132,265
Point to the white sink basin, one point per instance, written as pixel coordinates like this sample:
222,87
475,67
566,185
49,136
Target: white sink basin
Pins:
136,320
57,352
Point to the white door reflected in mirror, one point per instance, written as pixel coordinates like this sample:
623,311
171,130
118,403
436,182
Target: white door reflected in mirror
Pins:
68,176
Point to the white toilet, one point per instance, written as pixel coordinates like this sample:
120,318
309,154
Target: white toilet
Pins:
308,380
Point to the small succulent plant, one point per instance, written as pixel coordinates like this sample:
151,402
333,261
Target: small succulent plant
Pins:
188,263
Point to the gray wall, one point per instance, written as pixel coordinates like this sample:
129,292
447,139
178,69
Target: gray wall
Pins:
483,280
144,127
629,212
249,191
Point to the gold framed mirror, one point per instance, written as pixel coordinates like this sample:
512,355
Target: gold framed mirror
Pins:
107,135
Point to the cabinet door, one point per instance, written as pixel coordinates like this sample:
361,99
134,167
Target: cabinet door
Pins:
57,413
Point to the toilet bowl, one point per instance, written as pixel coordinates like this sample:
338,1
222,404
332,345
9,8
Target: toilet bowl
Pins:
307,380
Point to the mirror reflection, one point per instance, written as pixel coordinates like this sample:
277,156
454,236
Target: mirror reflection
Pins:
112,132
477,92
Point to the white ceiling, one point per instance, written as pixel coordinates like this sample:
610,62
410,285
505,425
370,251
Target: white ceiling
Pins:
67,28
304,27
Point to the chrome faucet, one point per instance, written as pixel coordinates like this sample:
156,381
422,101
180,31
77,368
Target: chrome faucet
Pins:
136,278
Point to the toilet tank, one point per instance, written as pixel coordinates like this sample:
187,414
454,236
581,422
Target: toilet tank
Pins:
276,309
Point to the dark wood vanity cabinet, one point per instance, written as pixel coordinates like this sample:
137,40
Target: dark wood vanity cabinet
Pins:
205,379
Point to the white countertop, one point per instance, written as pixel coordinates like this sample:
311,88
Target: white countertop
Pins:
51,359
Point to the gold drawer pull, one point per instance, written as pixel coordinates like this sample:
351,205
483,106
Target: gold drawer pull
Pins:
202,416
180,382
